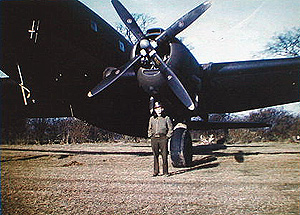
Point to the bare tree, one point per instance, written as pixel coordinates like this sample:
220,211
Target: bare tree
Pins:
144,21
284,44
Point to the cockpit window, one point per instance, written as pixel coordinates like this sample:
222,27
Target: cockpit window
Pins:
94,26
121,46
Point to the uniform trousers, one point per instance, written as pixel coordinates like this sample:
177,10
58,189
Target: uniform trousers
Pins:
160,144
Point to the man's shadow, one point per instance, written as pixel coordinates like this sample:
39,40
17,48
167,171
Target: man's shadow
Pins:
203,163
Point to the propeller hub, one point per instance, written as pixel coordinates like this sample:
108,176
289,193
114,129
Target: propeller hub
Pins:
144,44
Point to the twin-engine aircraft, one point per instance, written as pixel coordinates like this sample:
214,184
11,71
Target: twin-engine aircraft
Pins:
56,51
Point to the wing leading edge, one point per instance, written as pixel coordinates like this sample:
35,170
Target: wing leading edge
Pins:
245,85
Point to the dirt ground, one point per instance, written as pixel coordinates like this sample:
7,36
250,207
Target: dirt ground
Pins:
116,178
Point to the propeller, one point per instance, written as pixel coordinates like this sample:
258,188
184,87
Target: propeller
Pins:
148,49
113,77
172,80
128,20
184,22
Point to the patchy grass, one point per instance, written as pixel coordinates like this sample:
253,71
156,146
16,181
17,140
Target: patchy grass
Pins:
116,179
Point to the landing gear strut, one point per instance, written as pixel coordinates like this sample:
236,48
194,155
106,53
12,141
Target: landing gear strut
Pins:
181,146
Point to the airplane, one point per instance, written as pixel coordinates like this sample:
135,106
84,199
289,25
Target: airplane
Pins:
62,59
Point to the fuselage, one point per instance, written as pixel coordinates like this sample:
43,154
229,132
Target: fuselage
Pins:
62,48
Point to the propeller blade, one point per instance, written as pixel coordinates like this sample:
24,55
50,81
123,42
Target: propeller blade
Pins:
183,22
113,77
173,82
128,19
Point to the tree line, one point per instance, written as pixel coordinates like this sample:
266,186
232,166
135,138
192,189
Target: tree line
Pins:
285,126
70,130
67,130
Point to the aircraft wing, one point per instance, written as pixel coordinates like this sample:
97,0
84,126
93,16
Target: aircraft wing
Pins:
58,51
237,86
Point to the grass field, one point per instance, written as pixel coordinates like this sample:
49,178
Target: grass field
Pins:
256,178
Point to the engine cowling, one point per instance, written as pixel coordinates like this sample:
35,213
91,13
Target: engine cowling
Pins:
177,57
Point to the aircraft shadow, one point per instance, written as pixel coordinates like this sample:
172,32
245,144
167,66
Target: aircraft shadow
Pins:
82,152
238,156
246,146
207,149
25,158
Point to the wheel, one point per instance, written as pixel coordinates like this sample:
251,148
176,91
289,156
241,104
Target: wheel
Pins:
181,148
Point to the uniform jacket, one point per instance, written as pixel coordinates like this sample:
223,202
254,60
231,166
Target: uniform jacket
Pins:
160,126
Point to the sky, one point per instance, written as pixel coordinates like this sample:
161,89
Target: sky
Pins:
230,30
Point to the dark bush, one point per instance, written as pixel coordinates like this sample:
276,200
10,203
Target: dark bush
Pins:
285,127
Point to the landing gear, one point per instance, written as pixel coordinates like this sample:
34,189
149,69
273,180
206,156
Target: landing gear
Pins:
181,146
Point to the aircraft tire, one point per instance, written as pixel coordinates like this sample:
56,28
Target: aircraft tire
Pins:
181,148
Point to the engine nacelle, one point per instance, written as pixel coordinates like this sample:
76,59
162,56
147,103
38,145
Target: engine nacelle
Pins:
177,57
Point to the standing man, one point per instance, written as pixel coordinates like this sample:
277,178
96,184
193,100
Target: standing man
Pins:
160,130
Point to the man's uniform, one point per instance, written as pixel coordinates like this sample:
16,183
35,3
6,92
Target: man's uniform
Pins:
159,130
